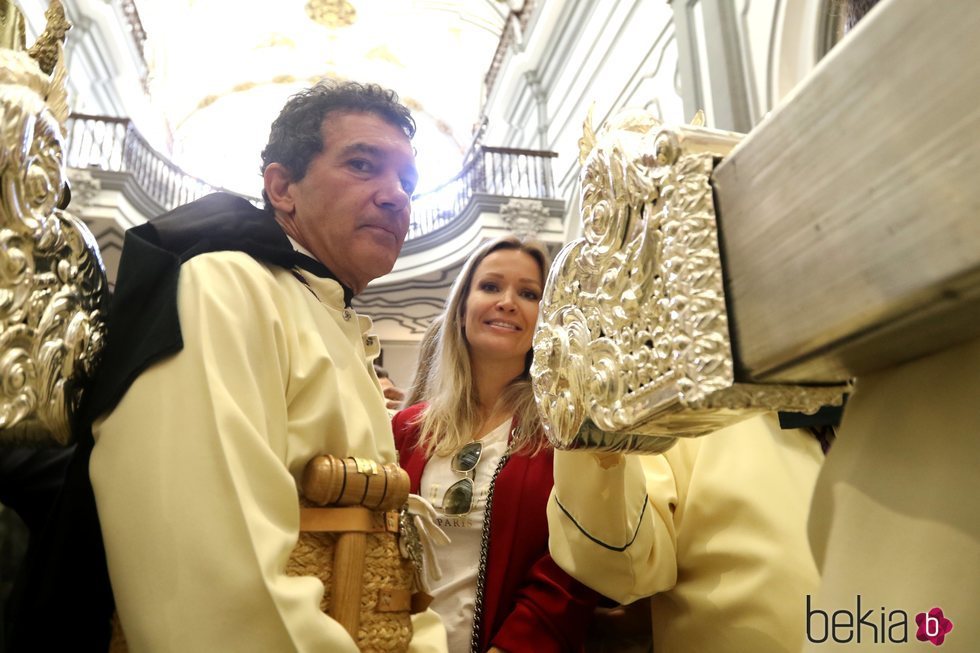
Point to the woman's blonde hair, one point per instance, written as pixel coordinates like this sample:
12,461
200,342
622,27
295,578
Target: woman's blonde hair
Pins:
427,353
452,415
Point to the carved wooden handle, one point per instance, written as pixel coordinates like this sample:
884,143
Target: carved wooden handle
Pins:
332,481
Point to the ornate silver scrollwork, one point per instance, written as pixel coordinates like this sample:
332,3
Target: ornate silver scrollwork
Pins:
632,347
52,283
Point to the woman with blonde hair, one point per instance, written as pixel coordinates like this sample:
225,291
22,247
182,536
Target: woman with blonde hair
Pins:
476,451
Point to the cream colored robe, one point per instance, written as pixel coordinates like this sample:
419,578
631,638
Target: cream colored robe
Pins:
896,512
195,471
714,529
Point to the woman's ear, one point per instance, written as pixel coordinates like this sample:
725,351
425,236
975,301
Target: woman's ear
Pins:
277,179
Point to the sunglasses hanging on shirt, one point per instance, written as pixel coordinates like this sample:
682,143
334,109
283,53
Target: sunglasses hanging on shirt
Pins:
458,499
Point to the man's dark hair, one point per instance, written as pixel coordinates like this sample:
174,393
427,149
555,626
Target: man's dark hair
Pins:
854,10
295,138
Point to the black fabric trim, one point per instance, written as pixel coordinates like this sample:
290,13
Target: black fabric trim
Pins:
317,268
146,331
65,566
646,501
384,492
826,416
822,425
302,280
364,494
343,483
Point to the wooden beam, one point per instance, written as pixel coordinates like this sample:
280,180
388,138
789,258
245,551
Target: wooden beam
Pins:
850,217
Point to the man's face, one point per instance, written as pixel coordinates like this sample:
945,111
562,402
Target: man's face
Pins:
351,209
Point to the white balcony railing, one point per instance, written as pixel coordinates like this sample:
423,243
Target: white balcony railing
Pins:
113,144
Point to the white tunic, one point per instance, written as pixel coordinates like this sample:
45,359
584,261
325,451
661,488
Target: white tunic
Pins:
714,530
896,512
195,472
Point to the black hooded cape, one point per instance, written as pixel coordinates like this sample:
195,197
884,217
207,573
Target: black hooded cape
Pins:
63,601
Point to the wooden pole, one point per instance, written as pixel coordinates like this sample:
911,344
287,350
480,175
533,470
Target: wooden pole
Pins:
348,578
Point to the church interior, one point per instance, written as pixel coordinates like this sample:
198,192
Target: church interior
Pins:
164,99
170,100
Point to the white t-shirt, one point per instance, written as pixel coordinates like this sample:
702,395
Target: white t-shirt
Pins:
454,595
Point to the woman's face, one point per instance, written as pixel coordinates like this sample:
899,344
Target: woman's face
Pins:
502,306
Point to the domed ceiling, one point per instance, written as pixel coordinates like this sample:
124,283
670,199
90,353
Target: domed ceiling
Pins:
221,70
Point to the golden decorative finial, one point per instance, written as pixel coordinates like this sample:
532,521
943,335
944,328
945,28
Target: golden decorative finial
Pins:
41,68
698,120
48,46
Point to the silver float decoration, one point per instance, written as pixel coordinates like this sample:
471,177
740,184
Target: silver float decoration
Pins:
53,290
632,347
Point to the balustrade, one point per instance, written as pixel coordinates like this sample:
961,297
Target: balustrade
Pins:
501,171
113,144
